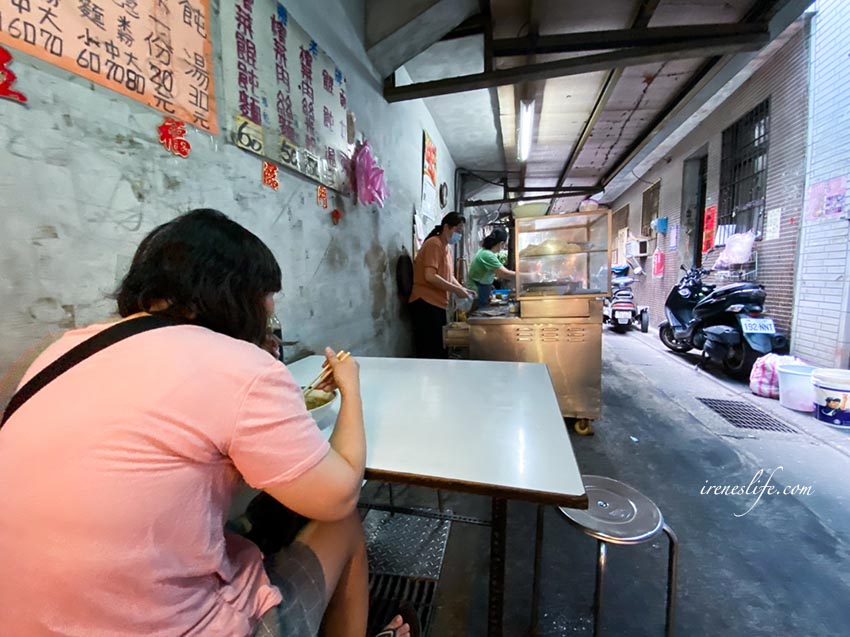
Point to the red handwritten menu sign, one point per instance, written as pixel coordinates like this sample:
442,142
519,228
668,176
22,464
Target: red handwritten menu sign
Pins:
709,225
286,98
155,51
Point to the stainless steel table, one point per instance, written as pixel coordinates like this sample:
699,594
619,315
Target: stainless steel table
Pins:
483,427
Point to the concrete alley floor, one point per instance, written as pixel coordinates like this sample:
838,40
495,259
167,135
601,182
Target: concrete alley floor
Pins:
781,569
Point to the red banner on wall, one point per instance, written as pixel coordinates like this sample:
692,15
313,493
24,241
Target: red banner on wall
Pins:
709,225
657,263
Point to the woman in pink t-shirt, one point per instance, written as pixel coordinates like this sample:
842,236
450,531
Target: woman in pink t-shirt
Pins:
116,477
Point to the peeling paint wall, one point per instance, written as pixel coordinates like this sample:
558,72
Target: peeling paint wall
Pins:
84,178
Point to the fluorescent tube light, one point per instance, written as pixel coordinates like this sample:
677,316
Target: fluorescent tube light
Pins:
526,129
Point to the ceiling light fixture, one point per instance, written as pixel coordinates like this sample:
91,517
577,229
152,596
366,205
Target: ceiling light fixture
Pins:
526,129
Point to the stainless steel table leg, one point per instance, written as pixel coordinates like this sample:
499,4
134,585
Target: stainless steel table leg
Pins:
498,531
601,559
535,585
672,569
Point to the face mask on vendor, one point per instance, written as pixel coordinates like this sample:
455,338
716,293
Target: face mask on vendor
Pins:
455,238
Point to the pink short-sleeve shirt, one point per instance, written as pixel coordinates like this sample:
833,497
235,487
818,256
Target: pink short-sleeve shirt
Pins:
116,478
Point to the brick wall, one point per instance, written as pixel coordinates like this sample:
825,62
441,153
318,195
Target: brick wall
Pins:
783,78
821,309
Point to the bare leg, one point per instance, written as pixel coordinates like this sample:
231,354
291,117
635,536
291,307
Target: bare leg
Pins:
341,549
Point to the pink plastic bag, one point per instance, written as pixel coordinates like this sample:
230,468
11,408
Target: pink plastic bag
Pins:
368,177
764,377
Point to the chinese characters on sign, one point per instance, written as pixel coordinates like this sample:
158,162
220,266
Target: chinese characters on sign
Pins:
279,81
709,225
171,134
429,160
7,79
673,237
772,225
155,51
827,198
426,218
322,196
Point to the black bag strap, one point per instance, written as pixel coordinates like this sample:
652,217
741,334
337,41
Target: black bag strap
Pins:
93,345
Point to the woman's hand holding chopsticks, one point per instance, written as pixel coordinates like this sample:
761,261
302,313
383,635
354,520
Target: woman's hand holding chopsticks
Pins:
340,371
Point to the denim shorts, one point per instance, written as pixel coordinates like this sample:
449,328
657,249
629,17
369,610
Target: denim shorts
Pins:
297,572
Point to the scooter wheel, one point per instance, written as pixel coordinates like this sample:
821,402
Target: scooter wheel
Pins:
665,333
740,360
644,322
583,427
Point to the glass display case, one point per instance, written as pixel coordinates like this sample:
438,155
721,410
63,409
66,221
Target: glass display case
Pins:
564,256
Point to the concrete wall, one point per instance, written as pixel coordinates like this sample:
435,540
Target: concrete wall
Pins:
822,313
783,78
84,179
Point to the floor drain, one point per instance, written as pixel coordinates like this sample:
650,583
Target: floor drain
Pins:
385,593
745,416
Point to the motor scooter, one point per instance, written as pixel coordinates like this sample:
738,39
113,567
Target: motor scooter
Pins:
620,310
727,323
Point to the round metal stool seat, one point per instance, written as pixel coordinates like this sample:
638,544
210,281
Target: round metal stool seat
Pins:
617,513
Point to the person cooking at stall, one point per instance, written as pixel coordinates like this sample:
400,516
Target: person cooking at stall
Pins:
433,281
486,265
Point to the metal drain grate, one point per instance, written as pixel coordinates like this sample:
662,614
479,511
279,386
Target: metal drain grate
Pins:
409,545
745,416
387,591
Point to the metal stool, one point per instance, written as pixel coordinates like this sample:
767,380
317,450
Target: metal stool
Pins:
619,514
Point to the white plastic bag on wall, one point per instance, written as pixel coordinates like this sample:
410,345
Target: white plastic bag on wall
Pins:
738,250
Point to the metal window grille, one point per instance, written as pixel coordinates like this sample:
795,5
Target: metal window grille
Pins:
743,173
649,210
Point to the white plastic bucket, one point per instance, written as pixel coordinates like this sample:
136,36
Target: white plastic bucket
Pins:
795,387
832,397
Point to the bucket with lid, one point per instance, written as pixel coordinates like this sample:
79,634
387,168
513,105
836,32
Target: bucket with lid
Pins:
832,397
795,387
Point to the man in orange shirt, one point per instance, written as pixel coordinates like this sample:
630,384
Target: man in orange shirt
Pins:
433,280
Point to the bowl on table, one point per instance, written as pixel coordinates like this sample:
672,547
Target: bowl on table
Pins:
320,403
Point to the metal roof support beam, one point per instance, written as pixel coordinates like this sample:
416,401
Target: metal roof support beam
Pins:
552,190
639,21
601,101
707,80
615,39
469,27
488,202
705,47
695,83
487,30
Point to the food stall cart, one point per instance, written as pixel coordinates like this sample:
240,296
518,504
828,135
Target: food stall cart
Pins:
563,265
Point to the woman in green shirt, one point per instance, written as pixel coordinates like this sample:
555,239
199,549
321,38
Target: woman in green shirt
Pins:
486,265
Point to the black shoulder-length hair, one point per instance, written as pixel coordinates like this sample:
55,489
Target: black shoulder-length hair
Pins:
451,219
499,235
211,271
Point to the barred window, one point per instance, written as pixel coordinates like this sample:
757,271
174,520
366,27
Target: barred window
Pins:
743,174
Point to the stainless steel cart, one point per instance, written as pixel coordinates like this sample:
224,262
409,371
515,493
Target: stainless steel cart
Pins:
563,271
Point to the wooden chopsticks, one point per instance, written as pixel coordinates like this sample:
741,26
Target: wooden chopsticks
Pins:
327,372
